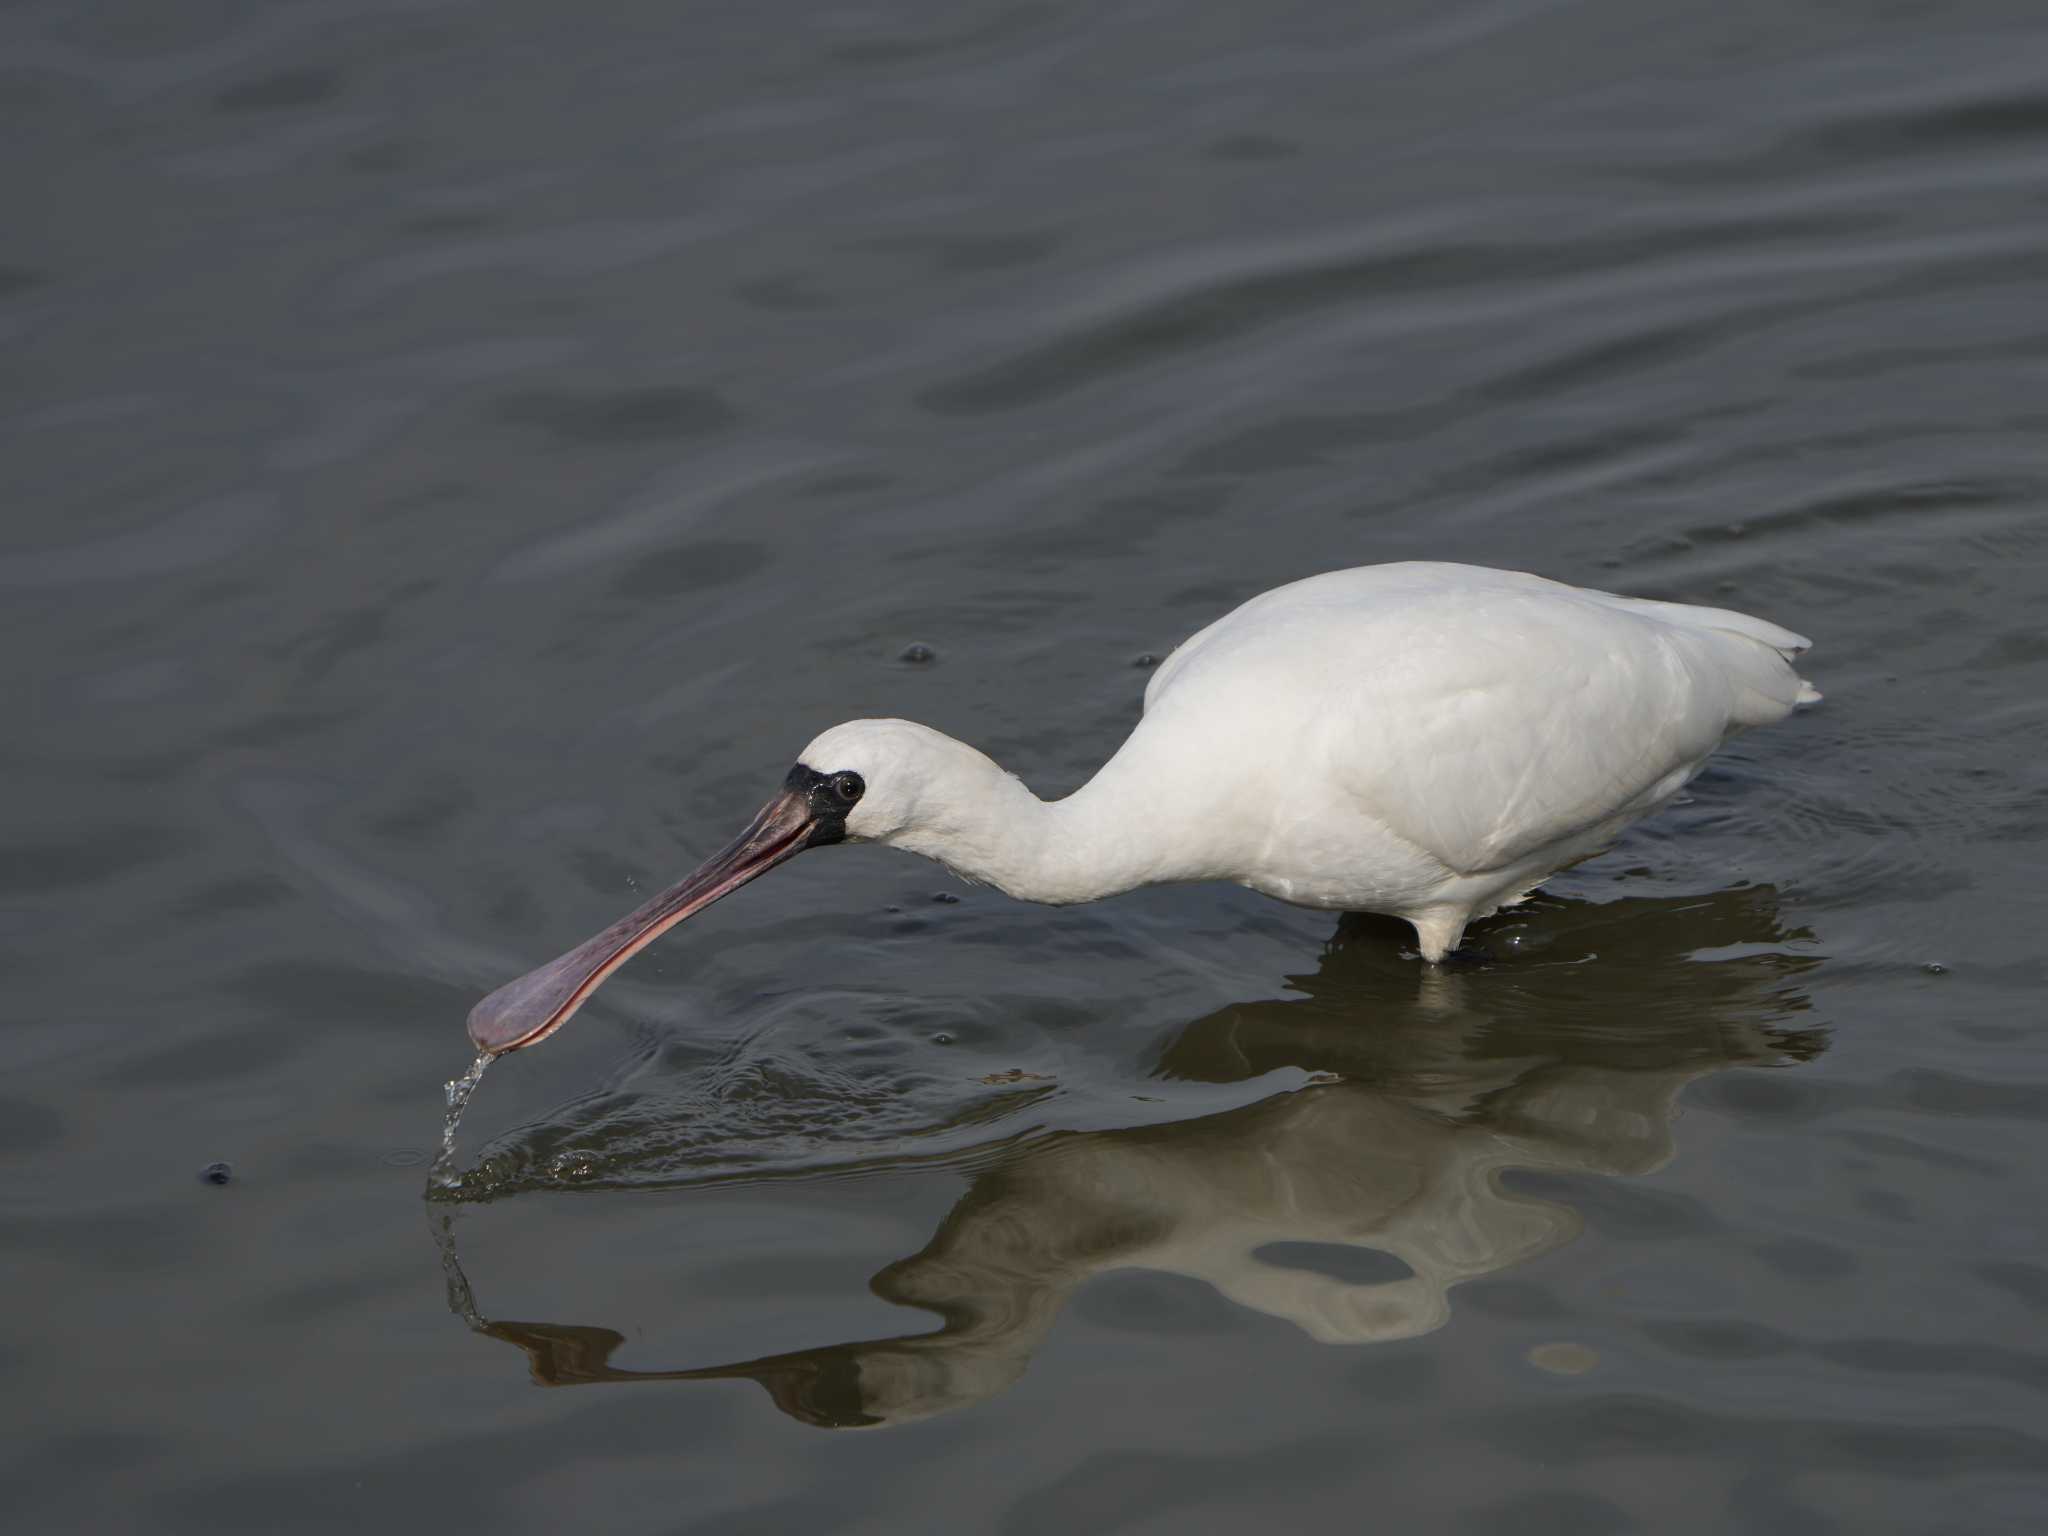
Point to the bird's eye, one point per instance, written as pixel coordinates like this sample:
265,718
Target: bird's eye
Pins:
848,786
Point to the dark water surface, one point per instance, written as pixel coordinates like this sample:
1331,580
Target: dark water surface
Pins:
452,456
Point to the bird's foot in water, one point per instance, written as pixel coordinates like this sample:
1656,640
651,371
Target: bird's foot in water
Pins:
1440,932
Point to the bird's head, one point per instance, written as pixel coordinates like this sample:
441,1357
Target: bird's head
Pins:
884,781
907,781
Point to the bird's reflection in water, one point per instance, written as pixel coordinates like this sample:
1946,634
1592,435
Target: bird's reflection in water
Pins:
1428,1084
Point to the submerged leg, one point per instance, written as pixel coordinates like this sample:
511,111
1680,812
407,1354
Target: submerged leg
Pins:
1439,929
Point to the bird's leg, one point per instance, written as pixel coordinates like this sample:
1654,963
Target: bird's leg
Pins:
1440,929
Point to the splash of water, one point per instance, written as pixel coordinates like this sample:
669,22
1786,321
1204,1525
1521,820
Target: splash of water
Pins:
442,1176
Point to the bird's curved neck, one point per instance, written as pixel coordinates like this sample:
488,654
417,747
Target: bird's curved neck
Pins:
1105,838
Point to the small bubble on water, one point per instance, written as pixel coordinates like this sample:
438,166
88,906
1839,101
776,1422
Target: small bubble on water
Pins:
216,1173
918,654
945,898
1935,968
941,1037
1144,661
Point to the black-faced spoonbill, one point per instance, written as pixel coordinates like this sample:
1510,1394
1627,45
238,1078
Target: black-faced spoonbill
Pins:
1424,740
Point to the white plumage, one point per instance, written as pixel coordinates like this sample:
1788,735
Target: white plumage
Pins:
1423,740
1429,741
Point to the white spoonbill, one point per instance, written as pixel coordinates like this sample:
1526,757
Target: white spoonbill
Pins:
1424,740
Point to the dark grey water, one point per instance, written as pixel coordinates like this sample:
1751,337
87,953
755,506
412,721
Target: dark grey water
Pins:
453,455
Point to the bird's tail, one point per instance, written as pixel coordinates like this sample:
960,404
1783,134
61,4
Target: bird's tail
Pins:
1727,621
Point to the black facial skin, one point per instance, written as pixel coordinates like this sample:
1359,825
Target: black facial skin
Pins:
830,796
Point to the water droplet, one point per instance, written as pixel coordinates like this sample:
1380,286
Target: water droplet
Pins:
942,1038
442,1175
572,1165
945,898
1144,660
1934,968
918,654
216,1173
